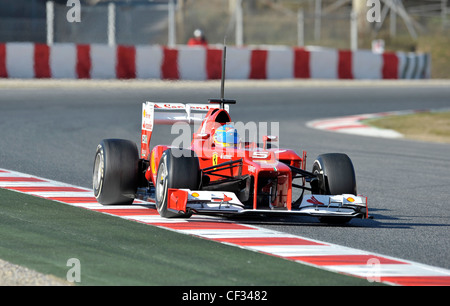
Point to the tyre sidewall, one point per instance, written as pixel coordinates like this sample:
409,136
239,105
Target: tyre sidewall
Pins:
336,174
182,172
119,179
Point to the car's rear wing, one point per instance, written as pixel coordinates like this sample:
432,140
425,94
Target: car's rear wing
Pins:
169,113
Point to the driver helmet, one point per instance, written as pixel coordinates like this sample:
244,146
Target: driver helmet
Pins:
198,33
226,136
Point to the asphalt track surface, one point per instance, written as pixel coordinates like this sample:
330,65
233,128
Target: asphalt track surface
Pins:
51,129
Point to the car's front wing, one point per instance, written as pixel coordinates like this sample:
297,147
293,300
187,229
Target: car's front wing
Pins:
183,201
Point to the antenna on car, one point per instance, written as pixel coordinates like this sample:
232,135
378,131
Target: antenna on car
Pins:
224,61
222,101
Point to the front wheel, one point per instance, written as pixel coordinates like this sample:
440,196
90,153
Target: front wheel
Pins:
177,168
115,173
335,175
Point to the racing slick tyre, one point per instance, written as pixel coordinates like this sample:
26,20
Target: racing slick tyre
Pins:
115,174
178,168
336,176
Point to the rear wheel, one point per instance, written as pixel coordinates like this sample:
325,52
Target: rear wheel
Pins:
178,168
336,175
115,173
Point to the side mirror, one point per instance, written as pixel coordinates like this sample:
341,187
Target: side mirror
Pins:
268,139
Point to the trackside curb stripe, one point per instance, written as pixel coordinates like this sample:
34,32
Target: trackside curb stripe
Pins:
354,124
319,254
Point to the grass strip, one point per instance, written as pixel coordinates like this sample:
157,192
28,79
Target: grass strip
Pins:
424,126
43,235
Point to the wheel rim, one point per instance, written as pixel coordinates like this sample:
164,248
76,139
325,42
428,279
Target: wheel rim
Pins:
318,171
161,183
98,173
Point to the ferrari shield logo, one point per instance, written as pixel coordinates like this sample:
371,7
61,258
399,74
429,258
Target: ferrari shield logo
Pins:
215,158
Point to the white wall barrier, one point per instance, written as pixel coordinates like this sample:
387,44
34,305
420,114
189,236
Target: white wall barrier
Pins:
96,61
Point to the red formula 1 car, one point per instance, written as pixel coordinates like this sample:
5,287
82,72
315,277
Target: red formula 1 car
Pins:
219,173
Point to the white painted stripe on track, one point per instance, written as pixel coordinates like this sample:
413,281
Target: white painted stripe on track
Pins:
236,233
253,238
306,250
66,194
386,270
91,206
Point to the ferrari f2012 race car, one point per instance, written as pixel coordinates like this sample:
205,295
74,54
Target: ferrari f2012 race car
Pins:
219,174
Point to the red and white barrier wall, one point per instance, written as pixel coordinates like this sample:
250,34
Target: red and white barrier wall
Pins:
97,61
